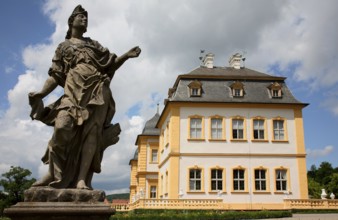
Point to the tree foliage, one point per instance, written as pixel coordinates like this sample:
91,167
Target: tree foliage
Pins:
323,177
14,183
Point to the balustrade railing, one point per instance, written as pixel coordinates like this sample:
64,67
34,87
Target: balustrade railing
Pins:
311,204
177,204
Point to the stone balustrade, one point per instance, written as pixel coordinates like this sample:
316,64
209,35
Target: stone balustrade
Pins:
177,204
311,204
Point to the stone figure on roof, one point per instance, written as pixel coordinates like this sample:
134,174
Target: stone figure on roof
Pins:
82,115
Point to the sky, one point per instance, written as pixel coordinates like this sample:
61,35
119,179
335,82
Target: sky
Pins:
296,39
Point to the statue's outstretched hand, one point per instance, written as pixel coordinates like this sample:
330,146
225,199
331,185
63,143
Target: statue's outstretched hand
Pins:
134,52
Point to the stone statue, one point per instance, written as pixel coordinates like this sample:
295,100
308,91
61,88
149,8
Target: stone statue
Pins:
82,116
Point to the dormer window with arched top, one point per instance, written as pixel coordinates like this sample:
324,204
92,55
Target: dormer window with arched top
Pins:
275,90
237,89
195,89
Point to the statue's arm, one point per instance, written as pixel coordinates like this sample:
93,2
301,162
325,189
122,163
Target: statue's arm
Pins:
132,53
50,84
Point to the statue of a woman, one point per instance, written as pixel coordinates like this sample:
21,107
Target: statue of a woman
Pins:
82,116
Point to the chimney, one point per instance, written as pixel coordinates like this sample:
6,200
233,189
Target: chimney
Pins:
235,61
208,60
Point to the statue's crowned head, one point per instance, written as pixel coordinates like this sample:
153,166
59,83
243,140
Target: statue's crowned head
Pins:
77,10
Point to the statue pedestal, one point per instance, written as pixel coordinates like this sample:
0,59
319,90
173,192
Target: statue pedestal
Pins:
59,211
60,204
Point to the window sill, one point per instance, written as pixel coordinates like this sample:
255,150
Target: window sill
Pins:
196,139
216,192
261,192
280,141
217,140
196,192
153,162
282,192
259,140
239,192
239,140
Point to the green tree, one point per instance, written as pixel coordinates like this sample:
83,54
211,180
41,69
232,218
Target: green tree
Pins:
14,183
312,172
332,186
324,173
315,189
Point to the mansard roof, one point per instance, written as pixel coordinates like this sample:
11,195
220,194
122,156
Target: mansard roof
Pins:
150,126
217,81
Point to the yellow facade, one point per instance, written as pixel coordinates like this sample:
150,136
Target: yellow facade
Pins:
247,172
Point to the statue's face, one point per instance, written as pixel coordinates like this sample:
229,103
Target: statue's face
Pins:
80,21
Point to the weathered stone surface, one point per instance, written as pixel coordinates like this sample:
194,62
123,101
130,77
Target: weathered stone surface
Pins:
48,194
59,211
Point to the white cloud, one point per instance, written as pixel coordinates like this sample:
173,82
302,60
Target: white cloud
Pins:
171,34
320,152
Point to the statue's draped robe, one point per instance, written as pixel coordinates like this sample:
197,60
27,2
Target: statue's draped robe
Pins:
84,70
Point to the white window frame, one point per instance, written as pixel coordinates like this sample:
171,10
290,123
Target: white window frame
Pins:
281,179
259,129
260,182
195,128
193,180
238,128
278,132
238,181
217,179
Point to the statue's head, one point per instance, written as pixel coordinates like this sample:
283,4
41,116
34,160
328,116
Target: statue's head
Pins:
77,10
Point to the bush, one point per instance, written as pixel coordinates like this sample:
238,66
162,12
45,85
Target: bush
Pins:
198,215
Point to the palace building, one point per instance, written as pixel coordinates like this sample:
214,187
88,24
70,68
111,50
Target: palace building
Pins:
227,138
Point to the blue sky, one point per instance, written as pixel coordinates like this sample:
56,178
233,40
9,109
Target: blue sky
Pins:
289,38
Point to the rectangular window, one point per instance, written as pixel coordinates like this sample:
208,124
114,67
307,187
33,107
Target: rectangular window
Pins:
281,180
216,179
238,178
153,192
195,128
195,179
238,129
260,180
237,92
154,154
216,128
195,92
278,129
275,93
258,129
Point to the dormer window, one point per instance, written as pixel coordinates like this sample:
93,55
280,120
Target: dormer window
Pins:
195,89
275,90
237,89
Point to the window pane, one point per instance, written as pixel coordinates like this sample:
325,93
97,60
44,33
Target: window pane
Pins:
236,185
241,174
241,185
192,174
198,185
198,174
213,185
235,174
219,185
240,134
192,185
213,174
219,174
